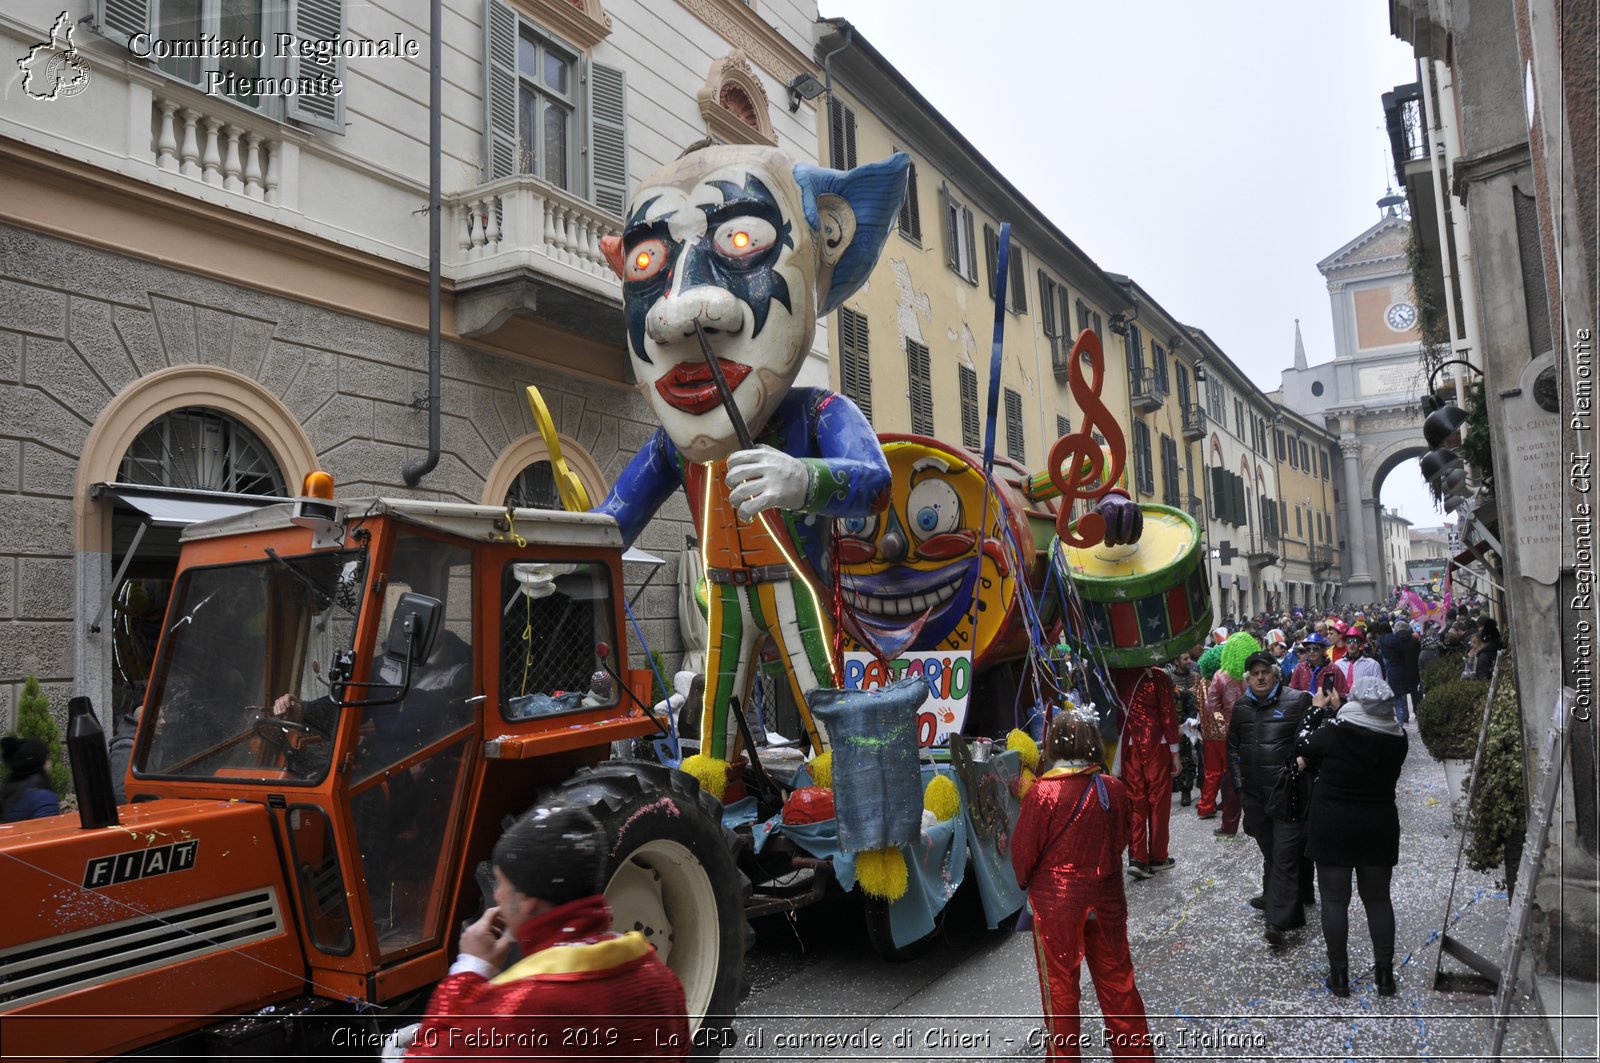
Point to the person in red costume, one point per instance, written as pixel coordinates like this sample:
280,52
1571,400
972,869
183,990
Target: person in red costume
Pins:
1149,761
575,973
1066,851
1222,690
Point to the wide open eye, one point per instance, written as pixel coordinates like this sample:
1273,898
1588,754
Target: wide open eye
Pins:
741,241
933,508
645,259
858,527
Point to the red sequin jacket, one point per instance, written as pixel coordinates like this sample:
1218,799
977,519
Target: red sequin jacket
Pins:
579,990
1079,867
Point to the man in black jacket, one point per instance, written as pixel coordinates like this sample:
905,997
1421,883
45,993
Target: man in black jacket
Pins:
1261,740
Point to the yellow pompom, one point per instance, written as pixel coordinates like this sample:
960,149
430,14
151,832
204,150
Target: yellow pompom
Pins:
942,798
821,769
1026,783
1024,744
711,773
882,873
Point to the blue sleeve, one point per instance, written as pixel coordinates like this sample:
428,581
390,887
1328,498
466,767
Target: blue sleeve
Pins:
643,486
850,475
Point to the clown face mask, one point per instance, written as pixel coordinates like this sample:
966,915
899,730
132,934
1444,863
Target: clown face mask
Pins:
740,244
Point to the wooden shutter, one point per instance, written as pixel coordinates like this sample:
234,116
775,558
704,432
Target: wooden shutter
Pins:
1047,309
317,20
947,228
841,135
119,21
1019,280
1219,492
499,90
969,407
855,368
910,213
972,258
1063,426
918,370
1016,445
608,138
991,255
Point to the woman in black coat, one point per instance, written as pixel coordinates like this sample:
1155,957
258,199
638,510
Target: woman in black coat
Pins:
1353,824
1486,646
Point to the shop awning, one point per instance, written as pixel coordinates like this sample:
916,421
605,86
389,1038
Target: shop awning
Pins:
173,507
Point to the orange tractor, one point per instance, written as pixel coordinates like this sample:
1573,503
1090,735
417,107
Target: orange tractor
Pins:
348,701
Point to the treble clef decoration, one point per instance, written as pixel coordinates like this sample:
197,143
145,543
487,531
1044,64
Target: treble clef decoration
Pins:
1078,465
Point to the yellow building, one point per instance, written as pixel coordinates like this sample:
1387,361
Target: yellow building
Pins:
912,347
1304,454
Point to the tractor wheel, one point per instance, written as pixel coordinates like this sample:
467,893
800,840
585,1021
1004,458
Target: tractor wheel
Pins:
671,877
881,937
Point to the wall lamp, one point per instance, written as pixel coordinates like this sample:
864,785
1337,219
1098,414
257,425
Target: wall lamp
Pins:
804,86
1444,419
1200,372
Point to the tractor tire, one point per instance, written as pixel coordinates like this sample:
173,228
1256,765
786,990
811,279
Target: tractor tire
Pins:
672,877
881,937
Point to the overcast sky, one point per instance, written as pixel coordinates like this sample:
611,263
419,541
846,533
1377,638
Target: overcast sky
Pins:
1214,152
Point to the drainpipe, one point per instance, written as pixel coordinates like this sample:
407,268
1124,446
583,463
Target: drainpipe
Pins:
414,471
849,32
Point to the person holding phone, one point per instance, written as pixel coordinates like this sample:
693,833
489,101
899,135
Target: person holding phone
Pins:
1312,673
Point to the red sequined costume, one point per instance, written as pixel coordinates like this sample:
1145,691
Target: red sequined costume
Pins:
1224,690
579,990
1149,740
1073,876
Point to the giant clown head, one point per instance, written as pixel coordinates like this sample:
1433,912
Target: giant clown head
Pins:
751,248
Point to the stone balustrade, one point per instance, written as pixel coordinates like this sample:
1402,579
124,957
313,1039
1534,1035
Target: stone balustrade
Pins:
521,222
213,147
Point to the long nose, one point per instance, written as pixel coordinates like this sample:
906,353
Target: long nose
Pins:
676,313
892,547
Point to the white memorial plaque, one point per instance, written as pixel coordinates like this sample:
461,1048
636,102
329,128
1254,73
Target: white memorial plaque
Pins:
1533,465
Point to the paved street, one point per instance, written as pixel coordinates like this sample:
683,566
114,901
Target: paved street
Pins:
1212,988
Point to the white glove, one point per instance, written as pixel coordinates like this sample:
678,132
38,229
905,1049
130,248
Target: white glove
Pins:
764,478
538,578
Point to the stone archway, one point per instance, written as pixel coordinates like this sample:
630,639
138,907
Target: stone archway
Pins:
1373,441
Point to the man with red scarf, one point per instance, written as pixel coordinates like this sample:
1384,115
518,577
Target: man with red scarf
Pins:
1149,757
575,973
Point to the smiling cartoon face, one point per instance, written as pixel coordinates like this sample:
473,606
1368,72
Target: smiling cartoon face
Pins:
909,573
719,239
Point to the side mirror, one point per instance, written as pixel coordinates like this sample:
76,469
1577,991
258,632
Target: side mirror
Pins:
413,630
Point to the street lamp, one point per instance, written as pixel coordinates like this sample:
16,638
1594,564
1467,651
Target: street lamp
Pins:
1441,466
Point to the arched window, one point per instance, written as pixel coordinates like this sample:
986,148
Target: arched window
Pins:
534,488
201,449
734,103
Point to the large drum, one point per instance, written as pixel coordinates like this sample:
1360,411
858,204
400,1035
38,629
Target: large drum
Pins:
1147,602
909,574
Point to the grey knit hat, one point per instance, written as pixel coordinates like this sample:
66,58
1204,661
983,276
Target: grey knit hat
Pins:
1375,697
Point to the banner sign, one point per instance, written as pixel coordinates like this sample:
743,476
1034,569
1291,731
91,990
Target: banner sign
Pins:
949,677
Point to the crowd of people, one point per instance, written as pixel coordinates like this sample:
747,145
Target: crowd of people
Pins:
1292,726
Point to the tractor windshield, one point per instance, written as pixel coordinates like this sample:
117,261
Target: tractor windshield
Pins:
241,689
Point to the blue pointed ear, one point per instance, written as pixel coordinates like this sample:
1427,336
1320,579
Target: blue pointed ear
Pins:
872,194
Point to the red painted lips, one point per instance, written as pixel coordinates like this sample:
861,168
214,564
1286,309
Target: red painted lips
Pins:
688,386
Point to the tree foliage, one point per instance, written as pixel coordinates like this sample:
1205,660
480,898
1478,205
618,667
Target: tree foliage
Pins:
34,721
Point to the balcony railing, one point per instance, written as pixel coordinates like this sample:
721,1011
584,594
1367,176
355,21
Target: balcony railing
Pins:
212,145
1142,383
1321,558
1196,508
1407,125
1194,422
520,223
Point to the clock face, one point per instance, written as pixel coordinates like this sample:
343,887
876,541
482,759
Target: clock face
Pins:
1401,316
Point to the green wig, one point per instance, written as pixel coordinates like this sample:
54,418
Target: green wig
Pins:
1236,650
1210,661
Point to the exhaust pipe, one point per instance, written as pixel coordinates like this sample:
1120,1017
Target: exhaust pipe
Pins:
91,766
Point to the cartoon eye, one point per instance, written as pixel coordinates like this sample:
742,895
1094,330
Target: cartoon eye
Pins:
741,240
933,508
645,260
859,527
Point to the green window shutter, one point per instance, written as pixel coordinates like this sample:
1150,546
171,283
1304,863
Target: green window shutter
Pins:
972,258
499,90
969,408
1047,309
1016,445
608,137
991,255
952,254
119,21
317,20
1019,288
855,369
910,213
918,371
841,135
